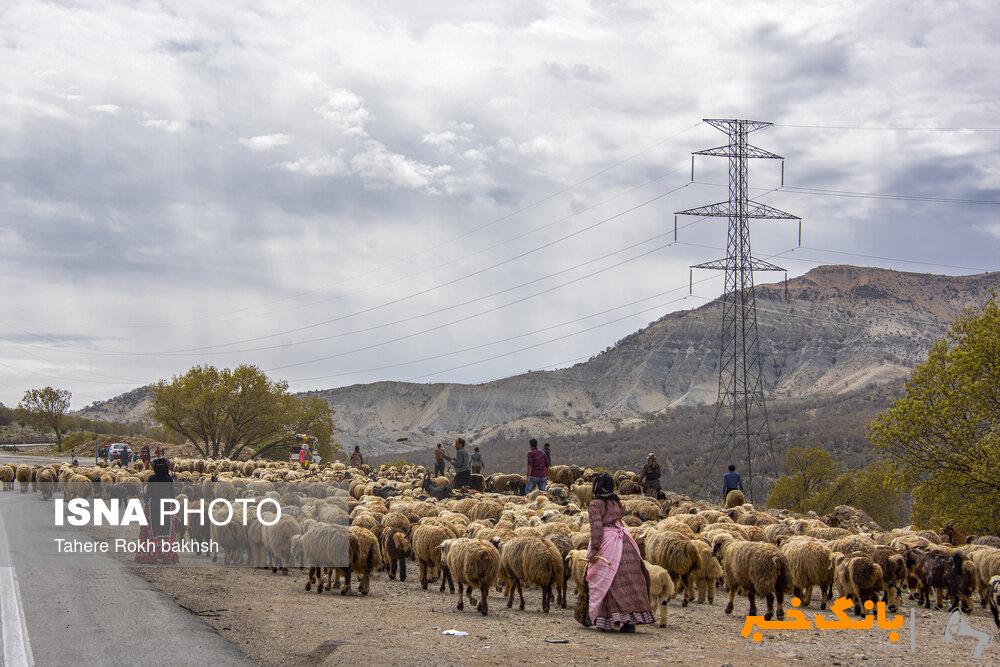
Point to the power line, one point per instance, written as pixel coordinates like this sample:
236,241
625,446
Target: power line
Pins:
867,195
437,286
890,128
882,195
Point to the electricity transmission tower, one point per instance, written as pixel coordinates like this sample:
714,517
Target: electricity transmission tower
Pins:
741,431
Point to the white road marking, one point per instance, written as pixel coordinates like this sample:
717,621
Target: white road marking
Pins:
16,646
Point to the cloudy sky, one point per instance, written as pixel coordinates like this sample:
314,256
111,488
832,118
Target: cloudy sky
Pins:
344,192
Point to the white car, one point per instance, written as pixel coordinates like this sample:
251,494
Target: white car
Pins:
115,450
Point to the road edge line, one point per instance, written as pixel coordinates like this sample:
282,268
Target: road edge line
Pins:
16,644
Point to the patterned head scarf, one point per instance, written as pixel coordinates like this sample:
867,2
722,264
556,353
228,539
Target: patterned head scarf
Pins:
604,488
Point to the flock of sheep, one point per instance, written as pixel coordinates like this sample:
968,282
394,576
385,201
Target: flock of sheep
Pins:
379,520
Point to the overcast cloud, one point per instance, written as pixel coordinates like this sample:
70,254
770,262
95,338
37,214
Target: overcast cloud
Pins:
178,175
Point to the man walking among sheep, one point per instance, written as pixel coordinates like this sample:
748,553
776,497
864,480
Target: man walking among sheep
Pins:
461,464
731,481
538,468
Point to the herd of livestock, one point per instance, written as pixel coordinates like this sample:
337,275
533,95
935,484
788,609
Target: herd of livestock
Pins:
492,537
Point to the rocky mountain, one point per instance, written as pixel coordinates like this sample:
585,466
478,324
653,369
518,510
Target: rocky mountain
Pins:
834,330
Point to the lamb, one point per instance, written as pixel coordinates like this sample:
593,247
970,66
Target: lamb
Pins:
427,537
576,563
533,560
756,568
23,475
734,498
661,589
857,577
584,493
473,564
676,554
810,563
396,548
277,540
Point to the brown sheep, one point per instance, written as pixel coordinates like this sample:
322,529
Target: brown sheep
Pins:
810,563
474,564
661,589
7,475
46,481
857,577
533,560
676,554
365,557
893,573
23,475
427,537
755,568
735,498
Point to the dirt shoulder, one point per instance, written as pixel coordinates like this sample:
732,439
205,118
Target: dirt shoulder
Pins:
275,622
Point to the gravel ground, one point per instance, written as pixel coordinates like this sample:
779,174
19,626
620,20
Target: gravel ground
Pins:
275,622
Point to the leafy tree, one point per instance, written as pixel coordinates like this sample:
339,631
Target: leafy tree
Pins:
46,408
239,412
943,434
814,482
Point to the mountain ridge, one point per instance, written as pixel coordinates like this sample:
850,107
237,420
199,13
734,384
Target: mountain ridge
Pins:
840,328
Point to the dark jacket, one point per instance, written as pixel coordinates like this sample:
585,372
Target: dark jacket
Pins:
730,481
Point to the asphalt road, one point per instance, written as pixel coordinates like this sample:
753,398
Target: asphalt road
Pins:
65,609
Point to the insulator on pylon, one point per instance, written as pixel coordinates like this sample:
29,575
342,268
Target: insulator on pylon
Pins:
675,229
692,168
782,173
690,282
800,233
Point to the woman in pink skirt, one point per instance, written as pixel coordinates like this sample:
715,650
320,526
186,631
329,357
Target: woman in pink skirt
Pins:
617,580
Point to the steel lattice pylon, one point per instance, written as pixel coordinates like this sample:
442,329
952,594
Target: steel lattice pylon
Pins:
741,432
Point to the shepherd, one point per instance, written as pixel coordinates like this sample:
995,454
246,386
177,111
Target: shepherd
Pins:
617,581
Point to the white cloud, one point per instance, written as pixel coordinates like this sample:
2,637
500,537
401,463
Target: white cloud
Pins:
165,125
379,166
345,110
266,142
106,108
323,165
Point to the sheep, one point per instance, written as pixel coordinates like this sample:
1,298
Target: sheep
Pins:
277,541
576,563
45,480
7,476
533,560
676,554
321,548
629,487
853,543
986,540
734,498
987,562
364,557
584,493
23,475
661,589
857,577
938,569
473,564
707,574
993,589
396,548
426,539
645,508
755,568
78,486
893,573
810,563
563,474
